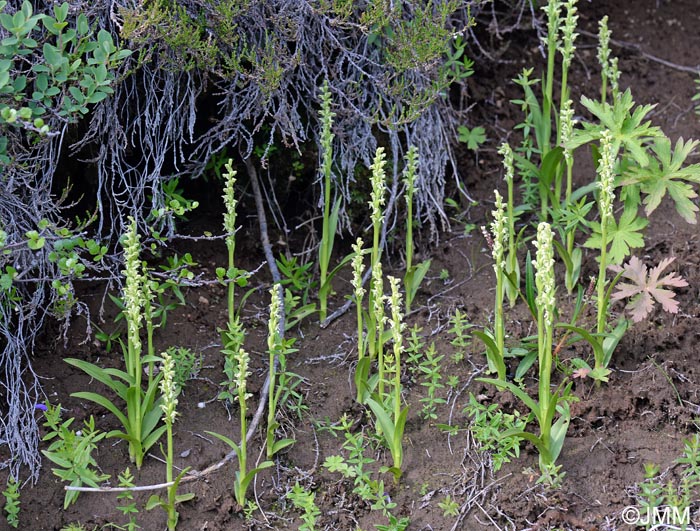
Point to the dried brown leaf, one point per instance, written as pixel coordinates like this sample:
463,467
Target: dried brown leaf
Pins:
647,287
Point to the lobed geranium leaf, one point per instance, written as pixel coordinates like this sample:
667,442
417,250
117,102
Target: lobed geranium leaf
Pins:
666,175
621,235
647,288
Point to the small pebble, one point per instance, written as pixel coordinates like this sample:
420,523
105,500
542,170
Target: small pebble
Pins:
201,405
186,453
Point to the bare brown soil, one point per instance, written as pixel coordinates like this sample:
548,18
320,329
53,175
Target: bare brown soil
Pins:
642,415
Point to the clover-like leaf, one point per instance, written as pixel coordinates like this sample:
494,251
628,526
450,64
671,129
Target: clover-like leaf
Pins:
647,288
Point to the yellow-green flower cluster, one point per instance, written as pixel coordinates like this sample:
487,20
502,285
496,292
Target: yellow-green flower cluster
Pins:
507,153
230,203
606,176
608,64
378,187
358,268
544,272
613,73
391,358
603,43
568,31
499,230
326,115
168,388
553,12
274,322
396,321
243,360
378,295
133,295
411,170
567,123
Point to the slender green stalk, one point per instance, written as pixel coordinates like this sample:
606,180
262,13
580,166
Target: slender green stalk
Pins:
142,415
379,318
363,363
148,319
604,55
133,304
169,405
243,475
273,347
376,205
546,306
390,417
230,203
377,202
610,73
567,122
553,11
169,391
329,222
573,263
512,266
606,196
133,301
243,395
410,181
567,49
277,355
358,269
499,231
396,326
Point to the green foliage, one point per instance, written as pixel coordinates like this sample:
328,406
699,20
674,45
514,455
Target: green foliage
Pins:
67,68
472,137
414,349
430,368
330,215
628,128
462,338
487,426
243,476
681,495
297,278
304,501
449,506
142,411
126,480
169,502
175,203
622,235
414,273
665,174
187,365
12,502
278,350
71,452
356,467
